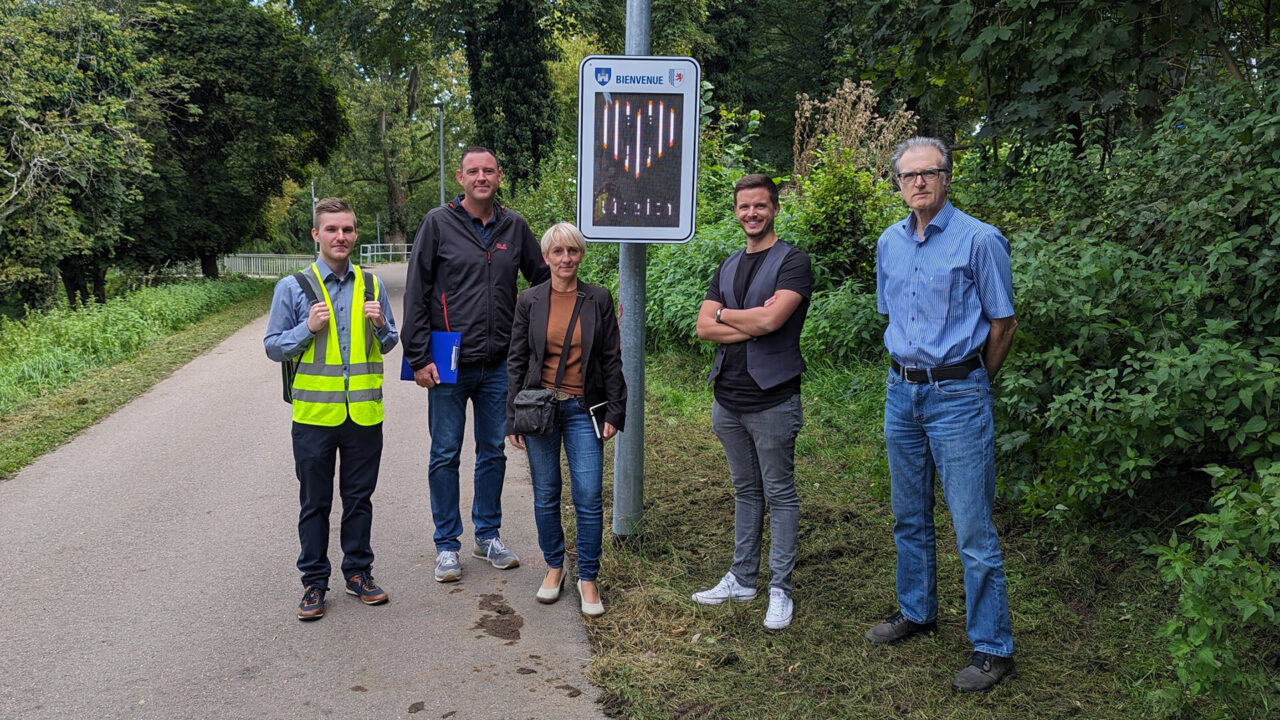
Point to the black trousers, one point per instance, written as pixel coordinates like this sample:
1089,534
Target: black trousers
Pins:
357,450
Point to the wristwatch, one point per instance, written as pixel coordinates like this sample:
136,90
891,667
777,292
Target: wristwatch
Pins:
718,311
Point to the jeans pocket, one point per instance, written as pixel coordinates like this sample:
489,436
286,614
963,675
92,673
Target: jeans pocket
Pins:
971,385
891,380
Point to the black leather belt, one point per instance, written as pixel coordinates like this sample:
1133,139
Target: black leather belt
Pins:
946,372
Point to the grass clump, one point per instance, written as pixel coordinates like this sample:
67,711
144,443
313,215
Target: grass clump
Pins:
38,427
47,351
1086,608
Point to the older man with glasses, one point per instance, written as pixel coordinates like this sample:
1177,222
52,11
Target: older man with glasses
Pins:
943,278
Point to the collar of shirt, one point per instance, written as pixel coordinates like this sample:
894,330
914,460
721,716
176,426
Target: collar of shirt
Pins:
936,225
497,213
327,272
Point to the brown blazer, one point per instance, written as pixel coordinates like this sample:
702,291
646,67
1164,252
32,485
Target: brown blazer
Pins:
601,350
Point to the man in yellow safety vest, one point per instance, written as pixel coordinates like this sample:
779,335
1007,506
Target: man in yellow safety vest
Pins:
333,320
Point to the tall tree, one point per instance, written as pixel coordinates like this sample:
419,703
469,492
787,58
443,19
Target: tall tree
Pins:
395,79
258,110
73,83
1025,70
508,46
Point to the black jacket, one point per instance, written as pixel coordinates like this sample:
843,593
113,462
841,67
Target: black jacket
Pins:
601,350
477,282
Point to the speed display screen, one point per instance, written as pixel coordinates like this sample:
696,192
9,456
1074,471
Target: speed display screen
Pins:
637,148
637,160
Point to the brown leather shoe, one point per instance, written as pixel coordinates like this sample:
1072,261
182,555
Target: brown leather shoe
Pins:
312,605
362,586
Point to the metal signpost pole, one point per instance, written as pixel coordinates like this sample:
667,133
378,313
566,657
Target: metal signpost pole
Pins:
628,458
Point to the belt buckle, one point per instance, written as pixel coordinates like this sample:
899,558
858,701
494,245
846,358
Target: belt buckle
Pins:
561,396
907,372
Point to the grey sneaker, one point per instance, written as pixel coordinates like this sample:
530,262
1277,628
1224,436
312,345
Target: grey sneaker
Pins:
448,569
898,628
496,553
778,616
727,589
983,672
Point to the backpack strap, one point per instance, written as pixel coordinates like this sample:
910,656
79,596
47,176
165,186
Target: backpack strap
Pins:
289,368
308,289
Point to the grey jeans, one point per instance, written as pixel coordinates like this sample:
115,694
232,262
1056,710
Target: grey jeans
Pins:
761,450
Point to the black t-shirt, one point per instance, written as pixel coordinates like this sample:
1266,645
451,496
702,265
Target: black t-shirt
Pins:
735,389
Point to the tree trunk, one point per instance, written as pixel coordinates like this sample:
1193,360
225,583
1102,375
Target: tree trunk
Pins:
74,282
99,279
393,178
209,265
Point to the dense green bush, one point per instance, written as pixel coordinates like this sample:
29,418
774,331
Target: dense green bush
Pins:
49,350
1149,348
1149,338
1227,641
842,211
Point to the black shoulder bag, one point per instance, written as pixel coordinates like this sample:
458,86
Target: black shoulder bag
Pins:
535,409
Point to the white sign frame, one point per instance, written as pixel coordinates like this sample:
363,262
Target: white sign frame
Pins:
631,199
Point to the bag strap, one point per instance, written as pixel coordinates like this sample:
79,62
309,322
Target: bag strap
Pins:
289,368
304,282
568,337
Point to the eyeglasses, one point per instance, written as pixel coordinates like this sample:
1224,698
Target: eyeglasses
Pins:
909,178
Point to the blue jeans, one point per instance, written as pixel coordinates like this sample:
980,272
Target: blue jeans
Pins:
947,426
760,448
486,387
586,470
357,451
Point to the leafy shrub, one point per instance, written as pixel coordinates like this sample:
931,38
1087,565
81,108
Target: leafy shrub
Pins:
49,350
840,213
1149,341
843,325
1227,641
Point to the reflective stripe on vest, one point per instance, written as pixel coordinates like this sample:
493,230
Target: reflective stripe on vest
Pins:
320,395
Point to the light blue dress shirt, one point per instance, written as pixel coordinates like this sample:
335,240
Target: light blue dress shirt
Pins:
287,333
941,292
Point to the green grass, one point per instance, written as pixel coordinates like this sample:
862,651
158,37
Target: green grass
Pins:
56,415
1085,607
49,350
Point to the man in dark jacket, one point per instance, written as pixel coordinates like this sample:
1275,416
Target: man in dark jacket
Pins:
462,278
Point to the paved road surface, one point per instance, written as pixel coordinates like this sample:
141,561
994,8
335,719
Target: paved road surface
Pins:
149,570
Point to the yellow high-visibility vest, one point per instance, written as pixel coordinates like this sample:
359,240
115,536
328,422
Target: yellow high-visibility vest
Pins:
320,395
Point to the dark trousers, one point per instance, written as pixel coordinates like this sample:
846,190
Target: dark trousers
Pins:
316,449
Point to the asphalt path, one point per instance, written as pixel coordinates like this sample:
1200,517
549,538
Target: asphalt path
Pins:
149,565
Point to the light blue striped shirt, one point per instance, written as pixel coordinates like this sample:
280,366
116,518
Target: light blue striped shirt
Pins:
942,292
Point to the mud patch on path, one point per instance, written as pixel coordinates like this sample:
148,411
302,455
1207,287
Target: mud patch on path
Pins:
501,621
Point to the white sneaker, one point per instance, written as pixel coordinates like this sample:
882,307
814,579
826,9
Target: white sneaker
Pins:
778,616
727,589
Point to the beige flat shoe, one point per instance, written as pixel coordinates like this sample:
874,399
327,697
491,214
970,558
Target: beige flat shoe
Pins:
595,609
546,596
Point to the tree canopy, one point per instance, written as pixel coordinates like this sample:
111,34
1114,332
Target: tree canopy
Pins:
257,109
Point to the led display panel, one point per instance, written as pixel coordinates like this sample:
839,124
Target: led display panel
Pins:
637,148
